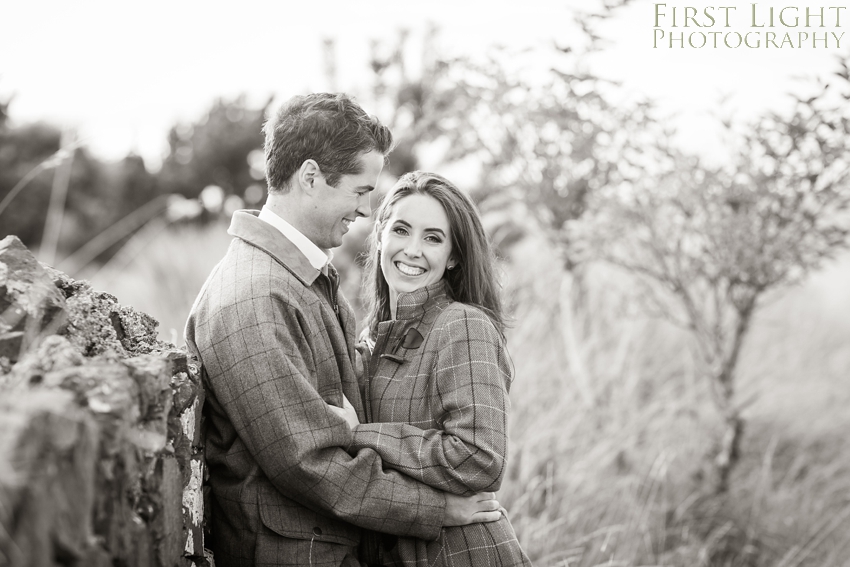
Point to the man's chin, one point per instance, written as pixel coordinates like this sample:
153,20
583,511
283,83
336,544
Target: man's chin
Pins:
339,239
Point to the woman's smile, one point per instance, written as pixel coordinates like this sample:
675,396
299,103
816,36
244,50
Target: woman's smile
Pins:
409,270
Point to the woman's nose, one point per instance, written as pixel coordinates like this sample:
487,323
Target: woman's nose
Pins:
413,249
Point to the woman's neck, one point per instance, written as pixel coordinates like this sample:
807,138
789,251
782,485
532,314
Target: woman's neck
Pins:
393,303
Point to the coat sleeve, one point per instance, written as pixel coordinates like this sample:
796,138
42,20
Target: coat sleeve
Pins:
471,378
259,367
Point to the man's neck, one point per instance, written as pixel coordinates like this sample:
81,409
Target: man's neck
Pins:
284,217
288,206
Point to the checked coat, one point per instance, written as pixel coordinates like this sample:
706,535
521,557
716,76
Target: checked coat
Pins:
437,400
276,345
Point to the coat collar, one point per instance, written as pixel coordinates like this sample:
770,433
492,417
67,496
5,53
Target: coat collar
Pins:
414,305
415,313
247,226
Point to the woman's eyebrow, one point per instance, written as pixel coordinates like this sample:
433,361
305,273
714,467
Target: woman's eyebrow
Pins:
408,225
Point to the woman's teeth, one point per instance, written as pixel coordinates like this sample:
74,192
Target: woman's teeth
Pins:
409,270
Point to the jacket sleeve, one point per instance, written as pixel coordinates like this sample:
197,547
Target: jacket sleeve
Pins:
259,368
471,378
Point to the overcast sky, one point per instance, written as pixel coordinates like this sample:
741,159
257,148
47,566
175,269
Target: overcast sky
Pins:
121,73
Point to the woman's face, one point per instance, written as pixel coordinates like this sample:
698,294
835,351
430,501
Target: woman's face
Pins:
415,244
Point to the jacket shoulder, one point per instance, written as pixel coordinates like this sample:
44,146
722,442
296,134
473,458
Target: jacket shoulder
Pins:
461,321
456,312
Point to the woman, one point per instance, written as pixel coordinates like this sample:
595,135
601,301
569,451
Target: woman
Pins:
436,388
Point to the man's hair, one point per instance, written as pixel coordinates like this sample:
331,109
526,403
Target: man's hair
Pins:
329,128
472,281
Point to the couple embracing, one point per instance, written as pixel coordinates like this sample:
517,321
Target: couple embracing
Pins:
327,451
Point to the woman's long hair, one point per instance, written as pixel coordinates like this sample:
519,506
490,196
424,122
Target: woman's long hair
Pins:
472,281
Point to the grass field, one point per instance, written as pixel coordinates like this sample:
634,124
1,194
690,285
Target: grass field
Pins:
611,421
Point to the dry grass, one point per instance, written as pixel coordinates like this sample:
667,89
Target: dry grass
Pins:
161,270
618,481
611,424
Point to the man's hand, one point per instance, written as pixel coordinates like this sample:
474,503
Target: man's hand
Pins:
463,510
346,412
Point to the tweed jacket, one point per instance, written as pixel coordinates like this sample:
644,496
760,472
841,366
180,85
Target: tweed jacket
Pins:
276,345
437,400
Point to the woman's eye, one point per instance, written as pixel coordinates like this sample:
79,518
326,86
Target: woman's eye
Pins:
400,230
434,239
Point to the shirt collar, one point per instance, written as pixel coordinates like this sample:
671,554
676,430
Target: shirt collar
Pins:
317,257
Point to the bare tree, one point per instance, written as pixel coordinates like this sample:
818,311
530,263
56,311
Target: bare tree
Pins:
713,241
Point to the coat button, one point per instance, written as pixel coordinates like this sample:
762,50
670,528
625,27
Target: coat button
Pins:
317,531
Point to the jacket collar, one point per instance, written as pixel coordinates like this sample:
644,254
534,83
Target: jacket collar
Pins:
415,313
247,226
319,258
414,305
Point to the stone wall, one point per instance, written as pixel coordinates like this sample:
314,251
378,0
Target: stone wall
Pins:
100,450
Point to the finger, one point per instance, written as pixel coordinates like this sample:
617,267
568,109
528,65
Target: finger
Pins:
489,506
487,516
346,403
502,511
485,496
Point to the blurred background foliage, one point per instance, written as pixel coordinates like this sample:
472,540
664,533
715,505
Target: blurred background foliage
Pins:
681,364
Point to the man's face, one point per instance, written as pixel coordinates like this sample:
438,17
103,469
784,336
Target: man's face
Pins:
334,208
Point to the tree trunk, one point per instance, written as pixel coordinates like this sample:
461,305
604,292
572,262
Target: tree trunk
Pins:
733,423
727,456
573,348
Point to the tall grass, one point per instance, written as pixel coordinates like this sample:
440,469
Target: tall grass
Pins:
611,422
619,481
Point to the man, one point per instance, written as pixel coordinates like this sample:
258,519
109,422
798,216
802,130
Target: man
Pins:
276,342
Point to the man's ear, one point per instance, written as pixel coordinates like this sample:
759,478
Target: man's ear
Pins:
307,175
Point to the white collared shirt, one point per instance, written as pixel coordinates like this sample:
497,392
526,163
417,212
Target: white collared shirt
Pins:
317,257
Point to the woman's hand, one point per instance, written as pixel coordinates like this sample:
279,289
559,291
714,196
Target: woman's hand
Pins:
463,510
346,412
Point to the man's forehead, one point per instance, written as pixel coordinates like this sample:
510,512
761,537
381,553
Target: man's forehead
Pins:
371,165
372,157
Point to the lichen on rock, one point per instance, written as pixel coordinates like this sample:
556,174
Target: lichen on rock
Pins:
135,400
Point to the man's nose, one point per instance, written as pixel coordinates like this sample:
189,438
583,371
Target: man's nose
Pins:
364,207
